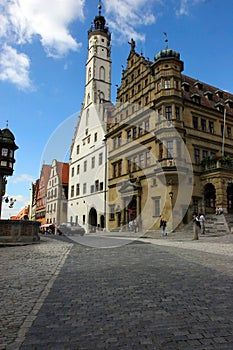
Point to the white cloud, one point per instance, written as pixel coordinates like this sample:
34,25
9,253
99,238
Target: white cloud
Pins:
124,16
23,21
22,178
14,67
26,19
185,6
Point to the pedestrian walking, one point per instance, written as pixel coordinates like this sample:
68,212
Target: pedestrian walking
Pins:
135,225
196,227
163,225
202,222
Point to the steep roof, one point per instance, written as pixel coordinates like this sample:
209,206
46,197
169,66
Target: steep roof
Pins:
63,172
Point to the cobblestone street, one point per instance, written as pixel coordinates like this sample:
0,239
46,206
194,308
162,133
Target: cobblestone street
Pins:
169,294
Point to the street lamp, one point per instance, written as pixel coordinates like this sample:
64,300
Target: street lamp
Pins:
7,160
171,197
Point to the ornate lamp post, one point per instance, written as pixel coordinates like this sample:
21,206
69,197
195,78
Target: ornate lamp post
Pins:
7,160
171,198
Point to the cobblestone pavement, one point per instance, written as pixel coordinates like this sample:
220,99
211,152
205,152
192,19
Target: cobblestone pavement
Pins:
27,274
172,294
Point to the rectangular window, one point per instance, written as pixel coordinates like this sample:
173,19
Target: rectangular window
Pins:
177,111
129,135
211,127
78,169
140,129
147,125
114,170
77,190
167,84
114,143
95,137
84,219
101,186
141,160
92,162
84,188
119,140
119,168
72,172
159,86
156,206
147,158
112,212
129,165
92,188
195,123
203,124
72,192
100,158
169,149
204,153
196,156
168,111
97,185
85,166
229,132
78,149
134,132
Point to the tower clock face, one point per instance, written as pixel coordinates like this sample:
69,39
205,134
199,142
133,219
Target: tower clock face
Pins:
4,152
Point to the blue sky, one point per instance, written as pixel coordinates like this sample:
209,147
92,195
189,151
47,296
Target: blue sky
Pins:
43,55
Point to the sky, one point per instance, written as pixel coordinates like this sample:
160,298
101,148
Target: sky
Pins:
43,51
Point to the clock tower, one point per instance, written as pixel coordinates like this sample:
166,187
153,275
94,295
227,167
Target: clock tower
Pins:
88,161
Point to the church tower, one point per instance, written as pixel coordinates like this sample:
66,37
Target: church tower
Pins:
88,161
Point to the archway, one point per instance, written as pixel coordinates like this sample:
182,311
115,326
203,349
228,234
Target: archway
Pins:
230,198
210,197
92,220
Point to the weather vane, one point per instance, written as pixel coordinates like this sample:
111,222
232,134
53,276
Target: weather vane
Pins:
99,7
166,40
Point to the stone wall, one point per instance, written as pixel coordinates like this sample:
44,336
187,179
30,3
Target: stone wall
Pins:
12,231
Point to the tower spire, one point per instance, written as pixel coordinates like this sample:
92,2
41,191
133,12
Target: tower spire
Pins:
99,7
166,40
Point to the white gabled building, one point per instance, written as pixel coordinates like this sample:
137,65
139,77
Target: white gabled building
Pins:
88,161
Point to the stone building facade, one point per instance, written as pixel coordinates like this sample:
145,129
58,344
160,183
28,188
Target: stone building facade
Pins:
170,145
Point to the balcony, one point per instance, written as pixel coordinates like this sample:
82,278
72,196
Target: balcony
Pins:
212,164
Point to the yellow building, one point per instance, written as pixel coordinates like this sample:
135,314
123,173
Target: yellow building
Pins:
169,145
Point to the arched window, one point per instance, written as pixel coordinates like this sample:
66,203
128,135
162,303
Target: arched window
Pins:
89,74
102,73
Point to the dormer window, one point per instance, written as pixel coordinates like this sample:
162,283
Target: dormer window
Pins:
186,86
219,106
209,95
199,85
219,93
229,102
196,98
